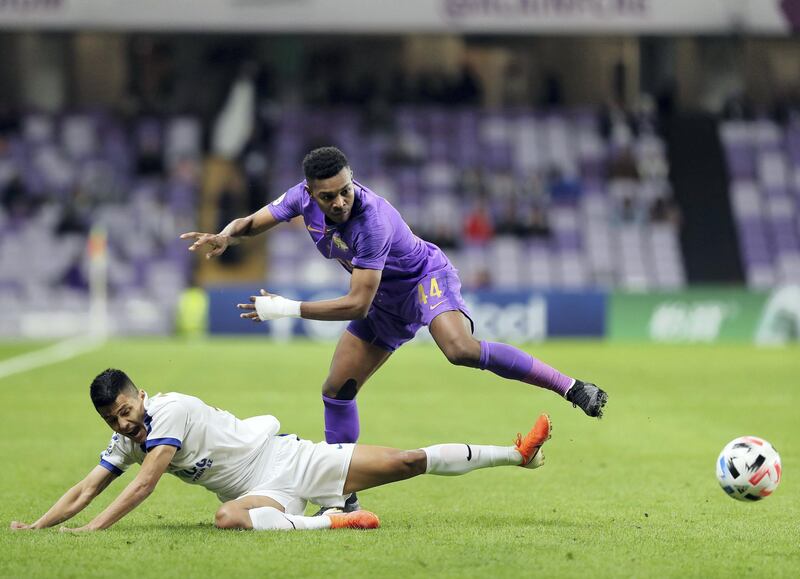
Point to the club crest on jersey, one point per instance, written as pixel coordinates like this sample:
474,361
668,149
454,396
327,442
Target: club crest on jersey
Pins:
339,242
111,445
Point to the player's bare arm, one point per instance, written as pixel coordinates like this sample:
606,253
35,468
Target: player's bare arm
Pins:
353,306
72,502
153,467
250,226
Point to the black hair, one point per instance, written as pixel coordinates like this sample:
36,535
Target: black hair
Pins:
323,163
108,385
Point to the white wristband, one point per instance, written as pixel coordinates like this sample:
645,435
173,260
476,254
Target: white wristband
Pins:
276,307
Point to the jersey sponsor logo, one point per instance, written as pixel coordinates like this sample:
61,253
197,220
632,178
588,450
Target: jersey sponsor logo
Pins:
279,200
198,470
434,306
314,229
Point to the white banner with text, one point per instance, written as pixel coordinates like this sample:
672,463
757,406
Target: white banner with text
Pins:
396,16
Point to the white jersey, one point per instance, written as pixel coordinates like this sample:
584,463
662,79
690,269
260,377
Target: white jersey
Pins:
224,454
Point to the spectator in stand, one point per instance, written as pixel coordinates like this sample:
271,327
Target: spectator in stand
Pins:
406,149
13,196
536,223
552,90
522,220
482,279
9,124
502,186
562,187
72,221
433,87
471,183
443,235
148,149
532,189
509,222
155,80
478,227
623,165
257,174
624,186
629,212
664,210
465,88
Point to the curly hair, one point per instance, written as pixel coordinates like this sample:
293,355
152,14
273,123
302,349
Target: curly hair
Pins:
323,163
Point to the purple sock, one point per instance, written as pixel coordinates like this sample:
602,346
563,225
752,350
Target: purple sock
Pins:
510,362
341,420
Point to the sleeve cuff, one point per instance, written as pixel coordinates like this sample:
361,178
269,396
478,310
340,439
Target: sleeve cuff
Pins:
151,444
367,264
110,467
277,213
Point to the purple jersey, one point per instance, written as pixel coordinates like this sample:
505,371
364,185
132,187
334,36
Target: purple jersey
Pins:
374,237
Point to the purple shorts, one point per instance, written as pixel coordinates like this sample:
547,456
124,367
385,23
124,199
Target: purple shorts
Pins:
392,321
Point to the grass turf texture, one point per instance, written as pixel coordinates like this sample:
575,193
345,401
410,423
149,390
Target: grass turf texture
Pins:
10,349
631,495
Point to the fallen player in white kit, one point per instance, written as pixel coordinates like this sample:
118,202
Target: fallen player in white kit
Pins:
263,479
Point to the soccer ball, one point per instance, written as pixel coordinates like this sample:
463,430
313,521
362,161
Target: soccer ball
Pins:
749,468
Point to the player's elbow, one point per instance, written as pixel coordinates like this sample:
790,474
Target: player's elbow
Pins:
359,309
143,489
360,312
88,494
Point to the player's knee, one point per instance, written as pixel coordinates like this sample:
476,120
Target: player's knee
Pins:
466,352
411,463
229,517
346,391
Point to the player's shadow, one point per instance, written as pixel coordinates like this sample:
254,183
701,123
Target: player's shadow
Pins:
528,521
505,521
177,527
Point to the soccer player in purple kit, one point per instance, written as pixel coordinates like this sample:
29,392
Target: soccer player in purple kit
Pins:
399,283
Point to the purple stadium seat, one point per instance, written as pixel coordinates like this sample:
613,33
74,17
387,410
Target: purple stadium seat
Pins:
741,162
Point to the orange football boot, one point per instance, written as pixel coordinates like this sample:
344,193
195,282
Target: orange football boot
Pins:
530,446
355,520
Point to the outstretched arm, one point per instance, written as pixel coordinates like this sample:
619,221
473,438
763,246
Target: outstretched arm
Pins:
74,500
353,306
250,226
155,464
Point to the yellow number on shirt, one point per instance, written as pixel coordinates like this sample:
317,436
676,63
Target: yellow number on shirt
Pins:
435,291
422,297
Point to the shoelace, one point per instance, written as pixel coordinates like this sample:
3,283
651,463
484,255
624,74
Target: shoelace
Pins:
518,446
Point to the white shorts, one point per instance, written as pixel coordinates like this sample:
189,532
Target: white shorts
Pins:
300,471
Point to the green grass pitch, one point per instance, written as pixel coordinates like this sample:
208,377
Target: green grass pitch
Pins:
632,495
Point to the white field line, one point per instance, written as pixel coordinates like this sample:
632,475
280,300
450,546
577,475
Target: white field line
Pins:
58,352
